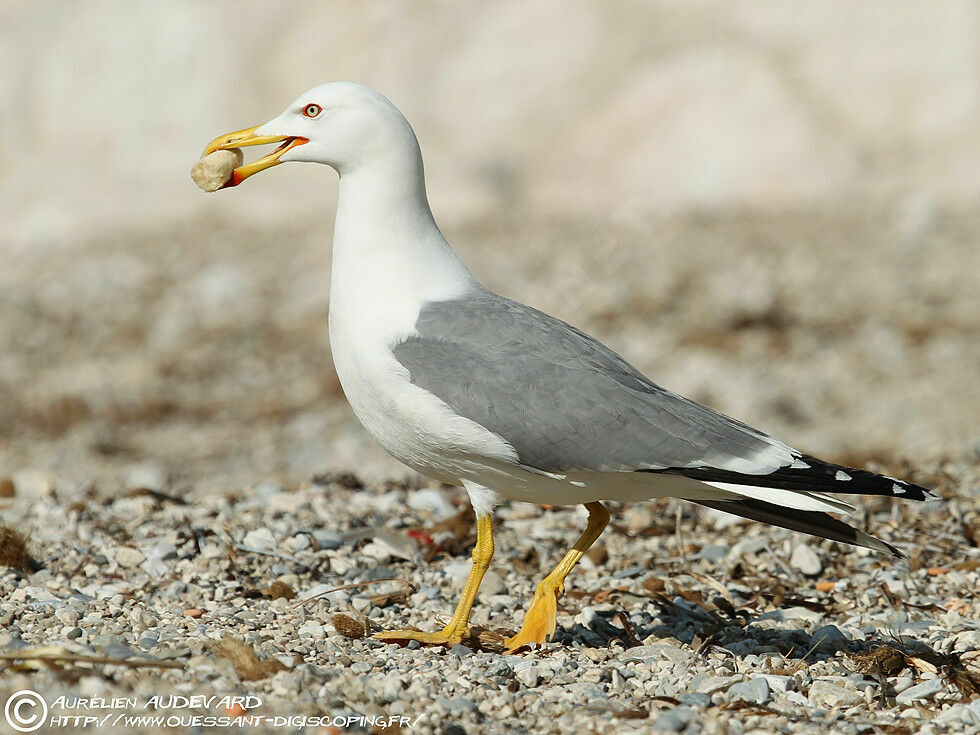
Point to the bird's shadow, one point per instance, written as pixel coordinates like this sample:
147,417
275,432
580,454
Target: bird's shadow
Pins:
741,636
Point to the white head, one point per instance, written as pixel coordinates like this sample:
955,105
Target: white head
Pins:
345,125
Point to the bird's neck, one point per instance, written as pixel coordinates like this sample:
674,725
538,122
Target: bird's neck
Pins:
387,245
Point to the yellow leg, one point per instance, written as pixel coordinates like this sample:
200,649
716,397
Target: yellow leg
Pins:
458,627
542,616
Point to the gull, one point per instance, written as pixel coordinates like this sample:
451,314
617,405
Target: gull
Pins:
476,390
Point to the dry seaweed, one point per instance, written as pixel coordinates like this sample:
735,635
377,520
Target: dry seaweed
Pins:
14,553
248,665
880,661
348,626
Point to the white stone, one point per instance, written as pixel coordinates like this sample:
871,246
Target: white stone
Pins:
778,683
824,693
260,539
127,556
66,615
528,676
806,560
926,690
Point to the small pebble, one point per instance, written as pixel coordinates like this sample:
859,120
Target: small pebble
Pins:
695,699
806,560
754,690
824,693
926,690
127,556
675,720
260,539
528,677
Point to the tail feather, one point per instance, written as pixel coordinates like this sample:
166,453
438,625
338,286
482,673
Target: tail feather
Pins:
815,523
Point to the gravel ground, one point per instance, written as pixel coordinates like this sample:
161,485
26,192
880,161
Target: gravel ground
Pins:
683,619
177,452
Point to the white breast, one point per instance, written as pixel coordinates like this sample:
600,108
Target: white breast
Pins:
410,423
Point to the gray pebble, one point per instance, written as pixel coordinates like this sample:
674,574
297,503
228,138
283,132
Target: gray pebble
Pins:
156,568
695,699
902,683
927,689
779,683
675,720
174,590
754,690
829,638
118,650
656,652
714,552
328,540
381,572
711,684
459,706
492,585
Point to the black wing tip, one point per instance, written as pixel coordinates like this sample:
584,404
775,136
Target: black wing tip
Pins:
852,480
897,553
810,474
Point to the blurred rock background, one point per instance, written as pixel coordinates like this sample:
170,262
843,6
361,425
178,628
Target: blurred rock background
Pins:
770,208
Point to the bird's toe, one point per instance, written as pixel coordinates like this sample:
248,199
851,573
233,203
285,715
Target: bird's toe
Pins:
444,637
539,622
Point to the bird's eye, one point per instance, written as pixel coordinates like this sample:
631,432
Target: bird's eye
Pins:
312,110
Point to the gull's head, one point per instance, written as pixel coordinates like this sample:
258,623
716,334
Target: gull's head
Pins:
341,124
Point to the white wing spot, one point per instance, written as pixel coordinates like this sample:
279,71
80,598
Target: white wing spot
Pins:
899,490
799,464
842,476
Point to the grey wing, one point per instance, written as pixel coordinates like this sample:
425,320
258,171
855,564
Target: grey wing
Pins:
564,401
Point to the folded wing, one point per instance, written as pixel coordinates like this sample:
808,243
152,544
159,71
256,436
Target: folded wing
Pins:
566,403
